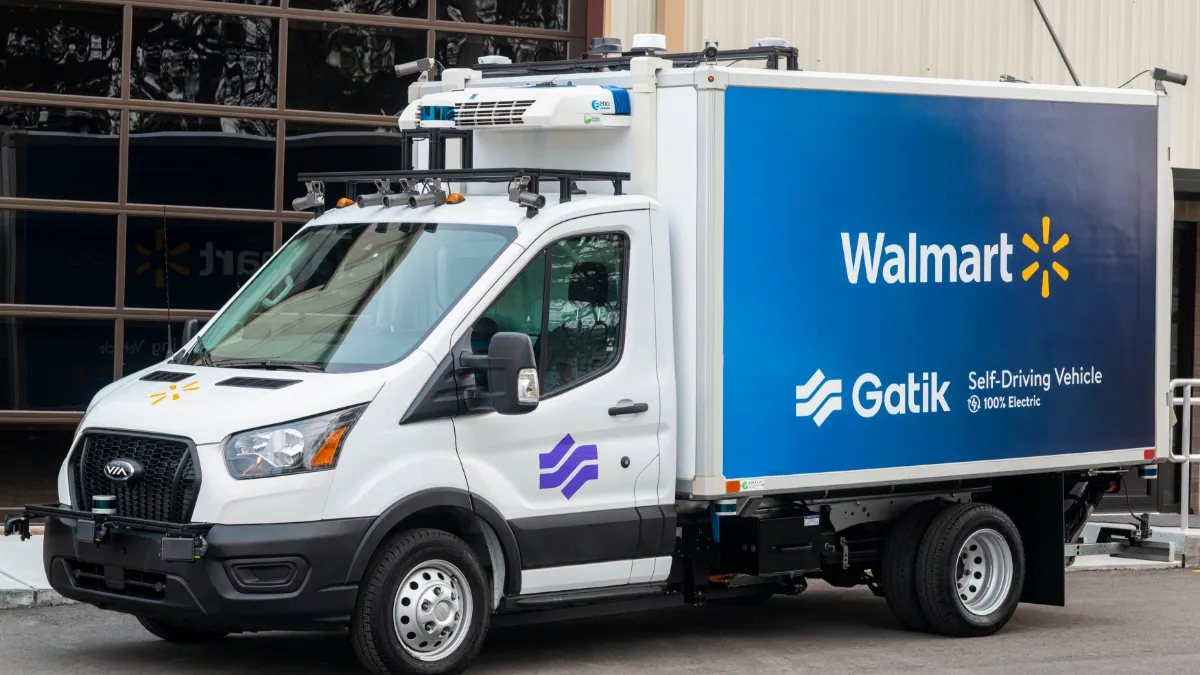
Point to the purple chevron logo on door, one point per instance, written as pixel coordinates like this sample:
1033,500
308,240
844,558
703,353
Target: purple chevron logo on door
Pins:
568,466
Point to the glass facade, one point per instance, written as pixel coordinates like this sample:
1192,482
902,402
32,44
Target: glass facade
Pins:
148,154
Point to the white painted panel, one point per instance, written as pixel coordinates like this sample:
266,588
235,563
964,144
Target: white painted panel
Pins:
642,571
677,180
573,577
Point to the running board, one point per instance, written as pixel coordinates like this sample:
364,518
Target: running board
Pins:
591,596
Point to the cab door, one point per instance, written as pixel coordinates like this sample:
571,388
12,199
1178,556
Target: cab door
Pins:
568,476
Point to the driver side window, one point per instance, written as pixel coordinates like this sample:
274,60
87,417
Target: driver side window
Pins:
569,301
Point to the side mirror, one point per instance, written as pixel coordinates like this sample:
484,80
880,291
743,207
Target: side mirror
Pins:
512,374
190,329
513,387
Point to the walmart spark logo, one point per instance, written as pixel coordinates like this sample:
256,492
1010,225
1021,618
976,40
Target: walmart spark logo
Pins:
173,392
154,259
1032,245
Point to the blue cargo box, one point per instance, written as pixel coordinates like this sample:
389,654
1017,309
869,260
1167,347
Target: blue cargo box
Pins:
927,279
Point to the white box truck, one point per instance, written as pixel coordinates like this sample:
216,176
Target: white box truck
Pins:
647,331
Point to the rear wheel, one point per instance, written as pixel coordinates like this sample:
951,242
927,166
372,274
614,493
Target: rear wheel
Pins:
971,569
899,574
423,608
179,634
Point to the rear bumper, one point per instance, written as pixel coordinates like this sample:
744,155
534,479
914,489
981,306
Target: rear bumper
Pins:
289,576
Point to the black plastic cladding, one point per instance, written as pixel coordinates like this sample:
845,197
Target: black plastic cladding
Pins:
166,492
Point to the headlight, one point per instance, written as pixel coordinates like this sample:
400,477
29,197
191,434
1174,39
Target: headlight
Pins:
310,444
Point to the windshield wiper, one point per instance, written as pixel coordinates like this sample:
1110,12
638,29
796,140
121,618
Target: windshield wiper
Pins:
205,356
273,365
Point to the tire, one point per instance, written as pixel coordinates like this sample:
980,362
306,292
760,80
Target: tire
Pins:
415,572
970,543
899,572
179,634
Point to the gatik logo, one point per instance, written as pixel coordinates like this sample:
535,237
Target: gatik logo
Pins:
819,398
826,400
567,468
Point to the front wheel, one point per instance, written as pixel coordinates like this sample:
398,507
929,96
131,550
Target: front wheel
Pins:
423,608
971,569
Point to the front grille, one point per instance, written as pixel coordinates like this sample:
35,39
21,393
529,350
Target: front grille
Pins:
491,113
132,583
166,491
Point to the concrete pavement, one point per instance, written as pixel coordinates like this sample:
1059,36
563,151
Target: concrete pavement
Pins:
23,577
1119,623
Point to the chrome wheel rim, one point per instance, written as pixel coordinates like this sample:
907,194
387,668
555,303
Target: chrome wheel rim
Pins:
432,612
985,572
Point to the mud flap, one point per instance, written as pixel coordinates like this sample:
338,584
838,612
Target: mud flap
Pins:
1035,504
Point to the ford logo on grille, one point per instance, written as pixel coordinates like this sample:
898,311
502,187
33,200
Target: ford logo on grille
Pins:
123,470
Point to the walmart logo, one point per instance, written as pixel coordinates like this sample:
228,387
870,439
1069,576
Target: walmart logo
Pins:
155,259
1059,245
173,392
874,260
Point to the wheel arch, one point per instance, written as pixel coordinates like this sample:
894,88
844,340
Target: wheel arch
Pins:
455,511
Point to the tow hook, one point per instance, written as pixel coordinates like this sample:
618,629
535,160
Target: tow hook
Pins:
17,525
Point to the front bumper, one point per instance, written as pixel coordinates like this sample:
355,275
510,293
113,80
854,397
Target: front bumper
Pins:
289,576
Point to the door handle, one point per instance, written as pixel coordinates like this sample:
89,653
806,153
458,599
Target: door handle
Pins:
631,409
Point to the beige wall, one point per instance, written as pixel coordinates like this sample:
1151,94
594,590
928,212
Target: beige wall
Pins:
1108,41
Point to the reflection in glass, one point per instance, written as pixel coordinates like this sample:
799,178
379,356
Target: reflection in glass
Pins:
201,161
61,48
354,296
57,258
147,343
407,8
58,153
53,364
462,50
200,263
324,147
204,58
551,14
32,455
342,68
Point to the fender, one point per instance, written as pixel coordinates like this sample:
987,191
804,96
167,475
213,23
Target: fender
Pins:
508,542
428,499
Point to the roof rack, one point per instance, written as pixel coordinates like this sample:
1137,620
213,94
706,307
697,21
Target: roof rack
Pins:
524,184
771,54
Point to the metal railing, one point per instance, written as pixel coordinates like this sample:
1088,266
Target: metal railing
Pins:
1184,456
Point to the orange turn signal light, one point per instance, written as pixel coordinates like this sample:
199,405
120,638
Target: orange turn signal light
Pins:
328,452
345,201
454,198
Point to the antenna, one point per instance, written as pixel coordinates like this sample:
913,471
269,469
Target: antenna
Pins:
167,280
1058,44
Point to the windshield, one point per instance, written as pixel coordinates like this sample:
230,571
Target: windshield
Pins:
351,297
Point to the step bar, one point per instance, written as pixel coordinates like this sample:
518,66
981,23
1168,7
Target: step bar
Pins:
1125,541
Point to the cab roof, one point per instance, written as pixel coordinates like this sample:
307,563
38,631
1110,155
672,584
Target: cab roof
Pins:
485,210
